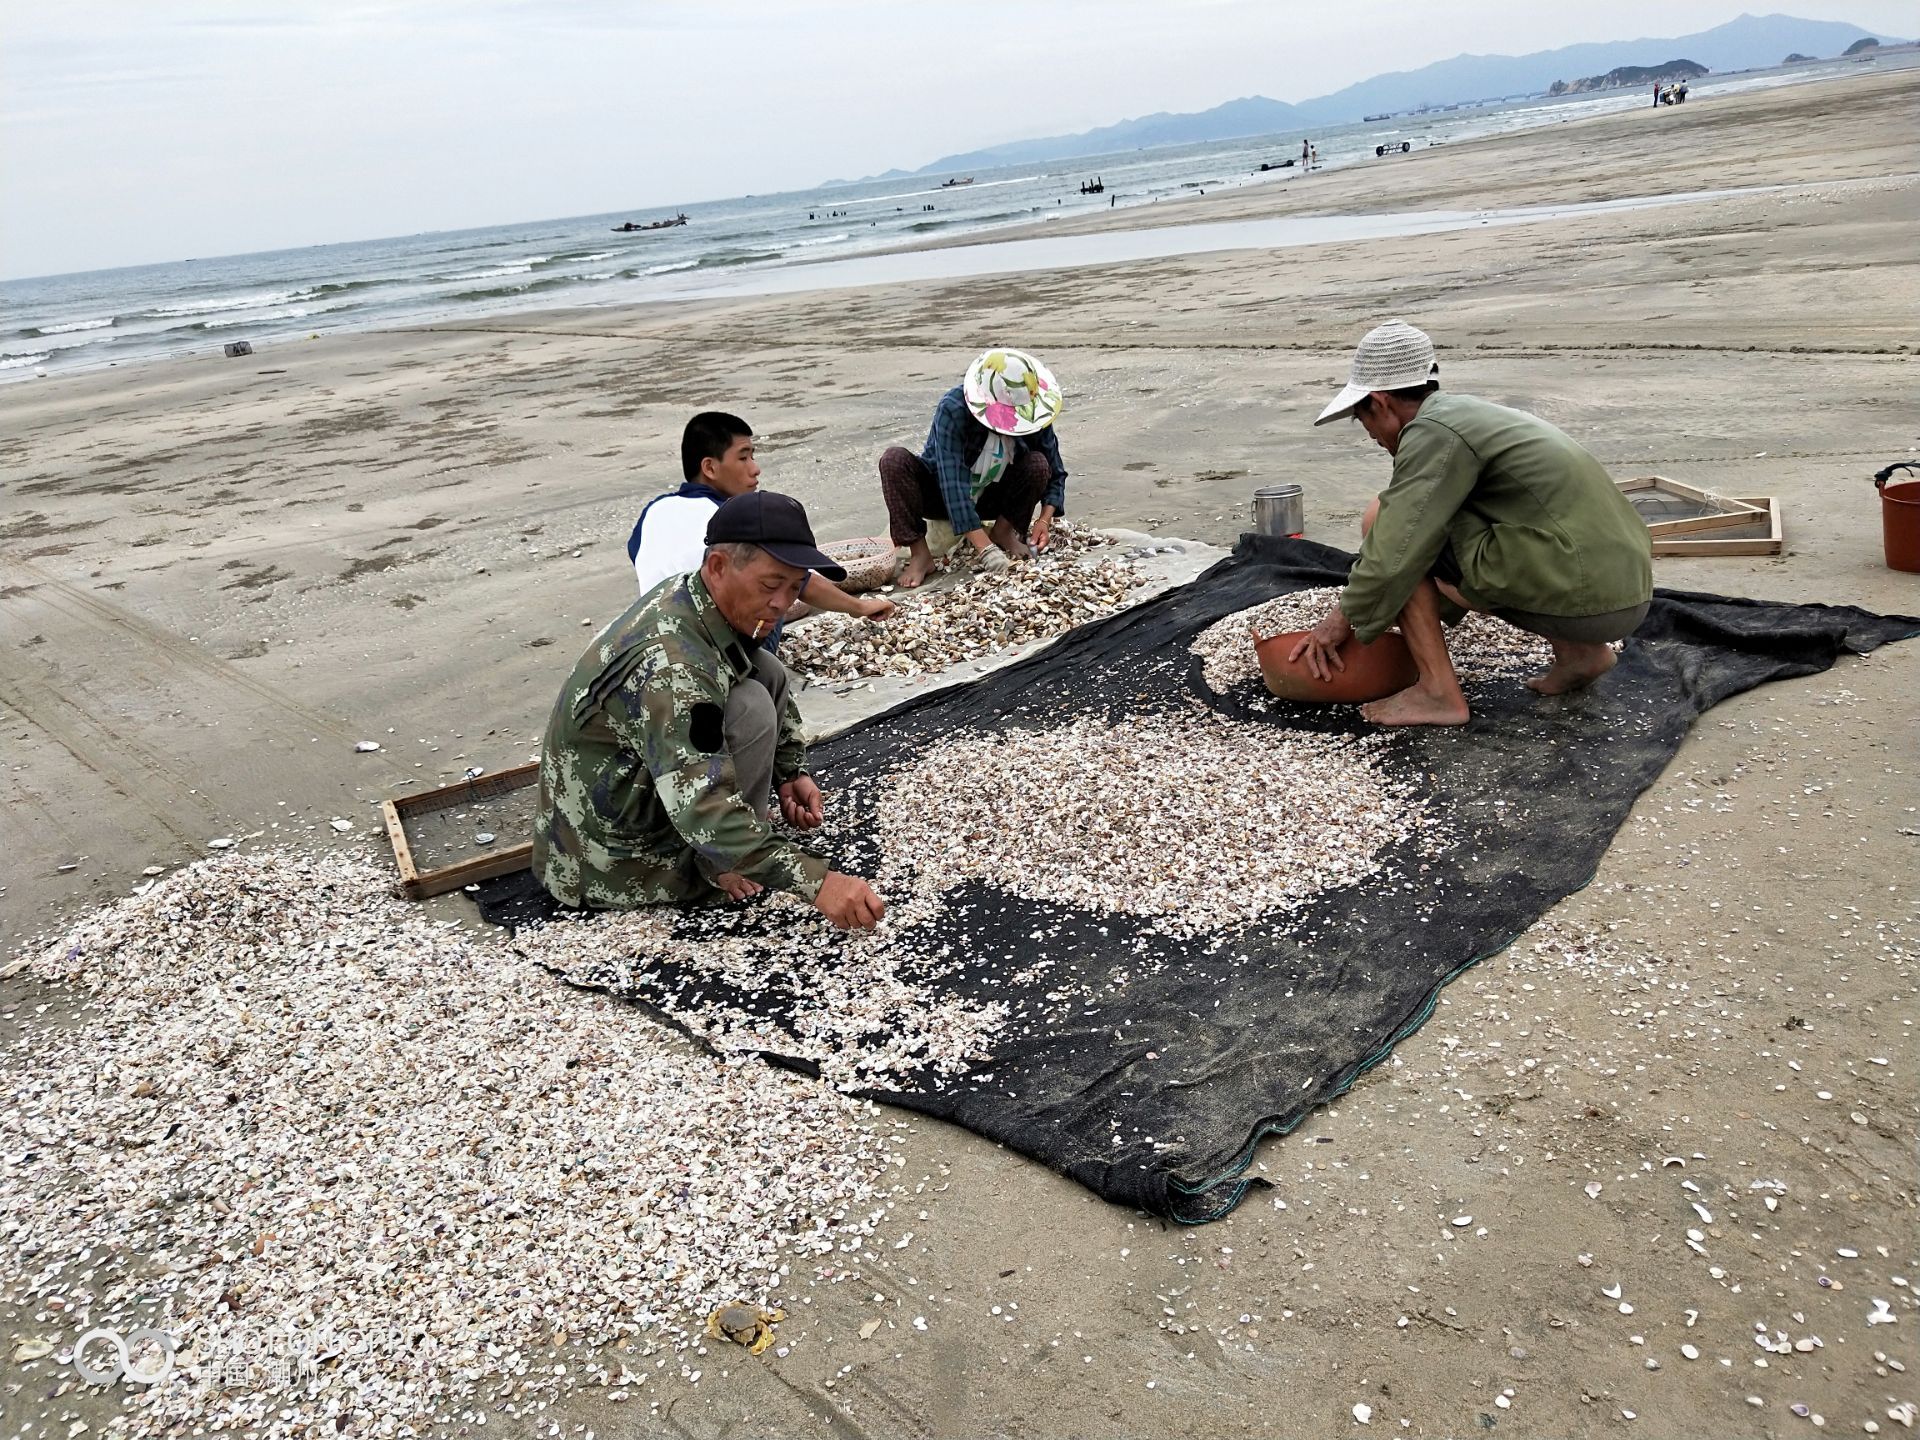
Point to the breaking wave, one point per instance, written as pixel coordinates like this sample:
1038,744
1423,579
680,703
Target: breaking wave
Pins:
71,327
214,307
550,282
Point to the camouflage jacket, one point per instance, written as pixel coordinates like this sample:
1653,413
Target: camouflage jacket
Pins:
639,803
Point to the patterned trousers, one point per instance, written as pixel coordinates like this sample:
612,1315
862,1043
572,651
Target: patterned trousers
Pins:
913,494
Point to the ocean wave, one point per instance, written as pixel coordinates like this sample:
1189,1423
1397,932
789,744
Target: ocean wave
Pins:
726,258
15,362
551,282
71,326
340,287
664,269
76,340
580,257
214,307
298,313
823,240
498,272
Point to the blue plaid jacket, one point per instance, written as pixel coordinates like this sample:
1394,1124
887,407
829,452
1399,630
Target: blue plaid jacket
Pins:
954,443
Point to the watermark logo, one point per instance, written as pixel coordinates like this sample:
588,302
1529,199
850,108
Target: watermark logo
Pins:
112,1359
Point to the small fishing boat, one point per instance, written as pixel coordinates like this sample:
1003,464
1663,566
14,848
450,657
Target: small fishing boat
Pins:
630,227
955,184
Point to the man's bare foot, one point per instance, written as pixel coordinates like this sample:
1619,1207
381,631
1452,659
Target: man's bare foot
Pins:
1574,668
1417,706
737,886
919,566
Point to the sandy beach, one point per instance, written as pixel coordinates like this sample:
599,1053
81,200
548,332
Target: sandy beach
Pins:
217,576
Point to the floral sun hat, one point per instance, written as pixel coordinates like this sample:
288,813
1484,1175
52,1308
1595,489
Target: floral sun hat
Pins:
1011,392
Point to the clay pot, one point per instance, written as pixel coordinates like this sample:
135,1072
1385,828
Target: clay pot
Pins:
1373,671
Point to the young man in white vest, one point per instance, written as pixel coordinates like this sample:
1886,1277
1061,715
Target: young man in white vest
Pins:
717,461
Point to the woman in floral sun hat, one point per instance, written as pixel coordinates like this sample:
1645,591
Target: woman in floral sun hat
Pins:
990,460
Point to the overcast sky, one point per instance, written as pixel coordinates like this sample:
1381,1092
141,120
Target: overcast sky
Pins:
142,130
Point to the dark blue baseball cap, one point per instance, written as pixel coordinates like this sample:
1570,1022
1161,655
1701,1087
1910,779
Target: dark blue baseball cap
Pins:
778,525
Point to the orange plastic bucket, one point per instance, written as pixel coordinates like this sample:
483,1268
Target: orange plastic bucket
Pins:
1900,518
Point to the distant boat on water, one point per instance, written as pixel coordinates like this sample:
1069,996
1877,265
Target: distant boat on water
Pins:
1371,118
629,227
953,184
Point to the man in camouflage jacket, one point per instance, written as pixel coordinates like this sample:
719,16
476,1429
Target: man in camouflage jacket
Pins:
674,731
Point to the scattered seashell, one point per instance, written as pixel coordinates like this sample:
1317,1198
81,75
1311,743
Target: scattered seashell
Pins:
343,826
1593,1189
367,747
1463,1220
224,842
33,1348
1692,1352
484,837
1882,1314
1363,1412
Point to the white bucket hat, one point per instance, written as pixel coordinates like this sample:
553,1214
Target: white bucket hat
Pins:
1011,392
1392,356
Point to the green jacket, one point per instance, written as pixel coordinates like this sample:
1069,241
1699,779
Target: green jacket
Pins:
639,803
1535,522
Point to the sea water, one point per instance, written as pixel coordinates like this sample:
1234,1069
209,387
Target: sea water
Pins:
753,244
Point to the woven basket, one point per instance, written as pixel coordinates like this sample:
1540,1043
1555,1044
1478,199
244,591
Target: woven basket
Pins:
870,561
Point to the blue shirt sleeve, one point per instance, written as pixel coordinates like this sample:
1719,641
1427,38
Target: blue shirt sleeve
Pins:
1048,444
946,456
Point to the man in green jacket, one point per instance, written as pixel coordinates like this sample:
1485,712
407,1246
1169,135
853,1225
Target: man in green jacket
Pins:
1489,509
675,732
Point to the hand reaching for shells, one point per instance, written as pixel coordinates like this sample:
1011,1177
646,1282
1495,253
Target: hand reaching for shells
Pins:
849,902
993,560
878,609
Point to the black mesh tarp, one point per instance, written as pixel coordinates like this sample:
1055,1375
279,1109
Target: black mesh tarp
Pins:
1153,1088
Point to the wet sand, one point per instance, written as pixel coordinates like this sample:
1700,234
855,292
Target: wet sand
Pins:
216,576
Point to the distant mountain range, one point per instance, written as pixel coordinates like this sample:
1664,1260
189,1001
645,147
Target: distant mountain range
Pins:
1752,42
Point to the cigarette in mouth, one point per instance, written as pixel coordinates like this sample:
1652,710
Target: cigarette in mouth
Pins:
760,629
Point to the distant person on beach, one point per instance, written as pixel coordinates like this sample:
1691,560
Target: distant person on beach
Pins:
1489,509
991,456
1306,154
717,463
676,734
